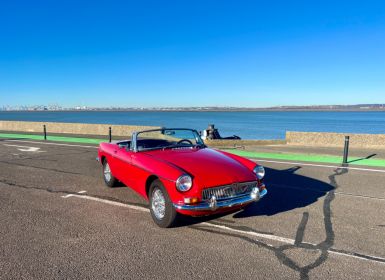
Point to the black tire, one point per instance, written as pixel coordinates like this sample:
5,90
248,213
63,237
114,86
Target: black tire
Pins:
110,180
170,215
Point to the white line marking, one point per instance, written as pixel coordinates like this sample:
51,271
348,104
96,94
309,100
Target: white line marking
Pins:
291,242
54,144
357,257
25,148
250,233
110,202
17,146
318,165
360,196
82,192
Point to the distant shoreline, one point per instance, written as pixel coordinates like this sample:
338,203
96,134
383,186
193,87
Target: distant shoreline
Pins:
199,111
375,107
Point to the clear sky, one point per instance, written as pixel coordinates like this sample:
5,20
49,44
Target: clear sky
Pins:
192,53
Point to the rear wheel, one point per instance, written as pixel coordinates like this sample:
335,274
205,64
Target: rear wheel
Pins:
109,179
162,210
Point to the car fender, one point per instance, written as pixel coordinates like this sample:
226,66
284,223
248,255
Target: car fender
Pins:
246,162
165,171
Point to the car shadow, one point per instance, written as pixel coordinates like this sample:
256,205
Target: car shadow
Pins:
286,191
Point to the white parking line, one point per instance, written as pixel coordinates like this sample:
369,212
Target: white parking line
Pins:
360,196
252,233
110,202
222,227
25,148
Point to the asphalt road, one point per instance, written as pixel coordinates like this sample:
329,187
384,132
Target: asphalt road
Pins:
58,220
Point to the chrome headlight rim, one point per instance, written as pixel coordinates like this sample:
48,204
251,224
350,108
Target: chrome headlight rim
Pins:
259,171
184,183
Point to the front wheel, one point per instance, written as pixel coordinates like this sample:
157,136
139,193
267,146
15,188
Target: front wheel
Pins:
162,210
109,179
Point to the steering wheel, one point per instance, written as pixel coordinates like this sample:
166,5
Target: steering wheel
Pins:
185,140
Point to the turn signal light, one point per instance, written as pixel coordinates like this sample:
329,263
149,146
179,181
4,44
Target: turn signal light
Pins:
191,200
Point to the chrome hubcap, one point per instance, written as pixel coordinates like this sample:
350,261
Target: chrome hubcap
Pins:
107,172
158,204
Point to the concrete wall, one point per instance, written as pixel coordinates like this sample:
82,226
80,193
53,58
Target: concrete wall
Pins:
319,139
237,143
71,128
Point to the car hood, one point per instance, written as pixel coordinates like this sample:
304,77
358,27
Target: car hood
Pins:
208,167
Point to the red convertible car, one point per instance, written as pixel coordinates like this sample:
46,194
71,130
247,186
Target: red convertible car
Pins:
178,174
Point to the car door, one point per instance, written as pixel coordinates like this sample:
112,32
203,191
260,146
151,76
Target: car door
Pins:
110,152
130,171
122,157
138,172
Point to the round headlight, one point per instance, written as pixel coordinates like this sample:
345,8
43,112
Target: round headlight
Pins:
184,183
259,172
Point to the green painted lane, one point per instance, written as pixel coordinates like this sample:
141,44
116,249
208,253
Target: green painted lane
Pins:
328,159
310,158
52,138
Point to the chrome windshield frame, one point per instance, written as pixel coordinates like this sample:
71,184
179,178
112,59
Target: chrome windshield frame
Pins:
133,146
134,137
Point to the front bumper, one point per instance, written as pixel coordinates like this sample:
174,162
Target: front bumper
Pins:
214,205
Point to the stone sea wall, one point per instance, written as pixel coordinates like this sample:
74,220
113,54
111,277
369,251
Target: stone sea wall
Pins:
71,128
324,139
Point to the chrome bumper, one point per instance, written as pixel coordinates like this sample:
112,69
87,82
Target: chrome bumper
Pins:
213,204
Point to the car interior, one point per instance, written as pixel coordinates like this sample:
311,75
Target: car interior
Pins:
147,144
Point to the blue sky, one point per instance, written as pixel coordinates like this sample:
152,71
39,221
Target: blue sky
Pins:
192,53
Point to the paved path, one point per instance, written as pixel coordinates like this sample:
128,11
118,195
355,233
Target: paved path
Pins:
58,220
367,157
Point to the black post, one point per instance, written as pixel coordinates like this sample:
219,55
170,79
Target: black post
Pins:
45,132
110,134
346,150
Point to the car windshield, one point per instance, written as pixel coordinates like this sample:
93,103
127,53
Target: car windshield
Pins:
168,138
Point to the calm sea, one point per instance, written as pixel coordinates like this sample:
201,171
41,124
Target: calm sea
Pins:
248,125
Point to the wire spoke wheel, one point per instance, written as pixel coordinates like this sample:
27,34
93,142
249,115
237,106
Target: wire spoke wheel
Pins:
109,178
107,172
158,204
161,207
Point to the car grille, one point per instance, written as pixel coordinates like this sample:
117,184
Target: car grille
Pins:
228,191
